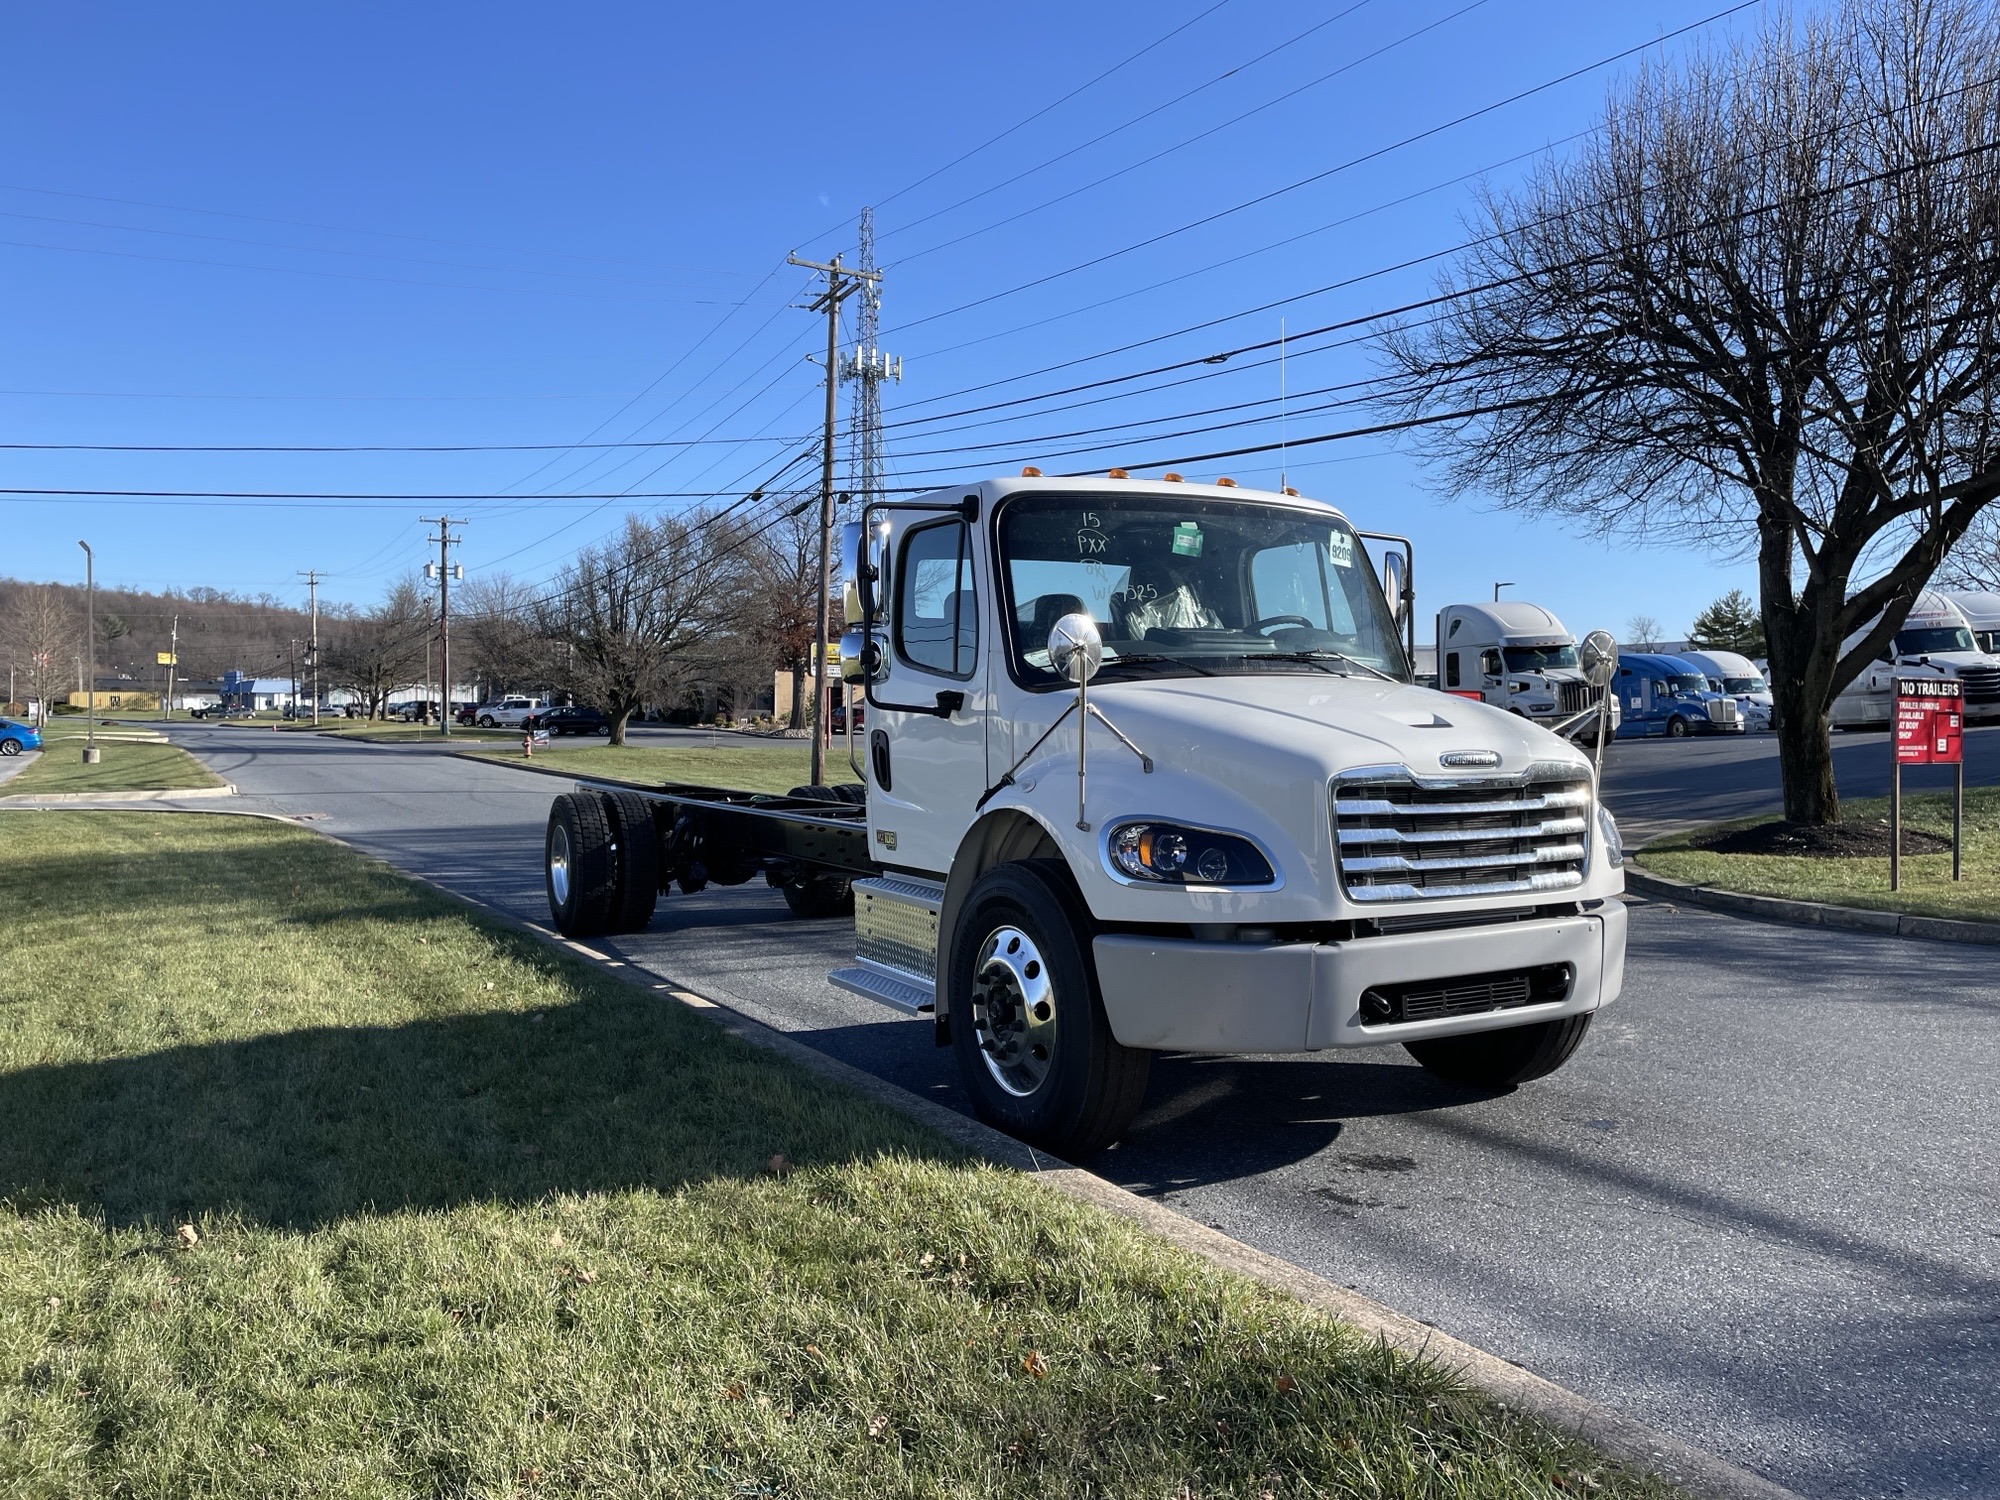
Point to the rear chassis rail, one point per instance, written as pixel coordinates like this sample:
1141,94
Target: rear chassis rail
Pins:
733,835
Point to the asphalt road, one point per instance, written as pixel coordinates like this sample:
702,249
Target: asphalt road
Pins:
1654,785
1760,1208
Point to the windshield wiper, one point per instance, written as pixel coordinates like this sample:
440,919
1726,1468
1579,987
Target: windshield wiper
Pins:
1149,658
1315,658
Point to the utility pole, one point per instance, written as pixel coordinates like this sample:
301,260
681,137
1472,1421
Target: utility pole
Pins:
294,705
841,283
91,754
312,645
173,667
443,570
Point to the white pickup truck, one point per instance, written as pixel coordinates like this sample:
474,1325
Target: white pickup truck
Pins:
508,713
1144,770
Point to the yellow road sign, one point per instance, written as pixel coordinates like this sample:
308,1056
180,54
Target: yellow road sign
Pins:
166,659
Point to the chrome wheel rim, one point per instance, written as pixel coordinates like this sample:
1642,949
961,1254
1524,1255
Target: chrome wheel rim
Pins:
1014,1011
559,864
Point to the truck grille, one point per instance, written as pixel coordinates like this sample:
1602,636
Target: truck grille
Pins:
1982,684
1401,839
1574,697
1722,710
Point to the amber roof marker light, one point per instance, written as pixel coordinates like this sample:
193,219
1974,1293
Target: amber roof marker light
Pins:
1116,474
1029,471
1225,482
1171,477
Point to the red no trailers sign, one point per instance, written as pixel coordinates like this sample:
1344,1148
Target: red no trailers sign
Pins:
1930,721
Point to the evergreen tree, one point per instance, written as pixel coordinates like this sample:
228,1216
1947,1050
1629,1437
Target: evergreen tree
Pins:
1729,624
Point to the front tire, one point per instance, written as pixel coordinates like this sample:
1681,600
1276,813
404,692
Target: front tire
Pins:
486,721
579,866
1034,1048
1502,1059
1677,729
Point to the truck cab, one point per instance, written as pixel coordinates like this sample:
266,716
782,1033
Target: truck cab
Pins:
1667,696
1513,655
1936,640
1741,679
1146,769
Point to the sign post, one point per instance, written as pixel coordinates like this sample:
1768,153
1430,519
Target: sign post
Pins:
1929,730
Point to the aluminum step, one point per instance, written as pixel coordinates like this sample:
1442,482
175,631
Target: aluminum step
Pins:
892,991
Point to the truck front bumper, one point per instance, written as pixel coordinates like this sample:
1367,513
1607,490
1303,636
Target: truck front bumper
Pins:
1179,995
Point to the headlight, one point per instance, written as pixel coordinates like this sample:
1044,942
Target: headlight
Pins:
1607,834
1169,854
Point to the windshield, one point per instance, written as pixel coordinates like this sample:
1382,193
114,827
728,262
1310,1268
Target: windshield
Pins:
1745,685
1538,658
1933,638
1194,586
1687,684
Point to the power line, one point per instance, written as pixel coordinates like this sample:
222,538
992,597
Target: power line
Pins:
1321,176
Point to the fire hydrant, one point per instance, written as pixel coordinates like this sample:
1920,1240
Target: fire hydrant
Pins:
528,744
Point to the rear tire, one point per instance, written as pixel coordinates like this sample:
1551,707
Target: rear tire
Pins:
1035,1051
637,862
579,866
1502,1059
10,747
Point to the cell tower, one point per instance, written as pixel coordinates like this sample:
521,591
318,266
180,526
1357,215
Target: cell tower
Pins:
867,367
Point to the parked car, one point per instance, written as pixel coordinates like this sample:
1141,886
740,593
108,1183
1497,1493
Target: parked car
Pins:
571,720
221,711
417,711
508,713
16,737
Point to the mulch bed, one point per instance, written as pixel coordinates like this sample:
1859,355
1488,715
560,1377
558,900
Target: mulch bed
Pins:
1841,841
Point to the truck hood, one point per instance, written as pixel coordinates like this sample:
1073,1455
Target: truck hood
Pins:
1336,723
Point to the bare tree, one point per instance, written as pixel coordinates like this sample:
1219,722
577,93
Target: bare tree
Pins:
634,607
1758,310
783,576
1643,631
492,623
42,629
375,654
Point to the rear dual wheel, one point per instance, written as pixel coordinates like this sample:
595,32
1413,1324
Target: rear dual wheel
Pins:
602,863
814,894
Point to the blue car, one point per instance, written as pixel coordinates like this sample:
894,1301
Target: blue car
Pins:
14,738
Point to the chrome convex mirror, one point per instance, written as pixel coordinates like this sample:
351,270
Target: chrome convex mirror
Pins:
1076,649
1598,654
1395,584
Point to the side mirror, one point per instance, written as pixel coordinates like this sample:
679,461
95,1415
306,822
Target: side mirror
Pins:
1395,583
857,665
860,565
1598,655
1076,650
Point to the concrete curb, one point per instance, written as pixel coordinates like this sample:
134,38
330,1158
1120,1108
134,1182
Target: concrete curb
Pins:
1811,913
1621,1438
227,789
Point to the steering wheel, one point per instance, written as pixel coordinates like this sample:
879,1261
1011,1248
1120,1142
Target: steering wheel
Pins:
1270,620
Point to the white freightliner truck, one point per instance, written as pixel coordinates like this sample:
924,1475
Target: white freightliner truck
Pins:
1517,656
1144,770
1936,641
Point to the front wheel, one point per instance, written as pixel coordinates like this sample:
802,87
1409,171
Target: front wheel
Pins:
1677,729
486,721
1502,1059
1034,1049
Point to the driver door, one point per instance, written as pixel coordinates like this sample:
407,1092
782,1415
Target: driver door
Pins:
940,632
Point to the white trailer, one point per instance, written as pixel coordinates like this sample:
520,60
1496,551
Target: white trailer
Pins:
1936,641
1144,770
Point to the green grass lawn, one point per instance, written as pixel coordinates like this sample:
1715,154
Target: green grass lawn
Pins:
1927,890
749,765
312,1182
126,766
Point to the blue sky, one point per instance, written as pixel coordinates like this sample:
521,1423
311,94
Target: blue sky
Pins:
508,224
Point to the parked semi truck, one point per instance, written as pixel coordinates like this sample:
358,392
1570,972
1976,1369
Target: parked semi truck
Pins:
1738,677
1144,769
1520,657
1936,641
1664,695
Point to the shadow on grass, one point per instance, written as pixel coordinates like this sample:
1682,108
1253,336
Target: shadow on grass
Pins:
308,1127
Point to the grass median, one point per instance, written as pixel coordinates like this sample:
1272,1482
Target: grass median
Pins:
314,1182
751,765
1927,886
125,766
